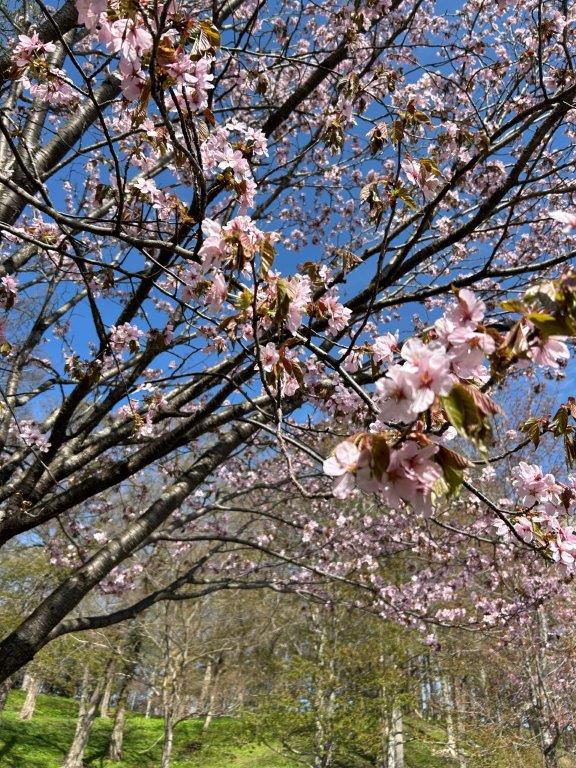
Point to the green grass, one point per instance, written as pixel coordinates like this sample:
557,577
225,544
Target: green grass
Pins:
43,741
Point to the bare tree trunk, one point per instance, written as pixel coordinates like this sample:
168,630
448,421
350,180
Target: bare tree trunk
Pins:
206,685
209,689
168,741
210,711
325,698
105,703
25,681
543,722
448,706
4,691
150,700
396,739
86,717
117,736
32,691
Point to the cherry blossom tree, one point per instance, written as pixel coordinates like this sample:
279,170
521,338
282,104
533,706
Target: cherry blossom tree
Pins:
217,219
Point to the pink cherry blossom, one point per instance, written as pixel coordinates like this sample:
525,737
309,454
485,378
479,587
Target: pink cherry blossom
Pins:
428,370
523,528
469,310
217,292
133,79
269,357
532,483
396,396
342,465
385,347
551,353
89,11
29,46
125,336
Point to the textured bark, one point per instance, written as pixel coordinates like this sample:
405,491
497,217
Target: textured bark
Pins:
32,691
210,689
4,691
396,739
117,736
89,701
42,625
325,693
105,702
448,706
168,744
543,721
150,697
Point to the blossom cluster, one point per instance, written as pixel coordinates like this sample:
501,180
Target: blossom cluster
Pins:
546,506
188,76
457,352
225,156
441,375
45,82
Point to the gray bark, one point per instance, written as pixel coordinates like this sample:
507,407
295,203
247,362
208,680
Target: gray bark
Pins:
117,736
4,691
47,621
150,697
448,705
396,739
168,744
32,691
325,695
209,690
86,716
105,702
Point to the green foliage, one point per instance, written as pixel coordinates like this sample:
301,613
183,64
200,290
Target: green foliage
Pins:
43,741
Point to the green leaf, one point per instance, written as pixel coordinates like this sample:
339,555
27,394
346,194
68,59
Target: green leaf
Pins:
548,325
282,301
560,422
267,254
454,478
531,427
402,193
514,305
397,132
463,412
380,455
422,117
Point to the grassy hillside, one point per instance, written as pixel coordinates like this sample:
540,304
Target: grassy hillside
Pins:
43,741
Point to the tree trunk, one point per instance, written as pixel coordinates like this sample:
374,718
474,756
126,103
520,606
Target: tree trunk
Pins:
209,690
105,703
543,721
149,702
396,739
206,683
32,691
4,691
117,736
210,711
168,741
86,717
448,706
325,693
